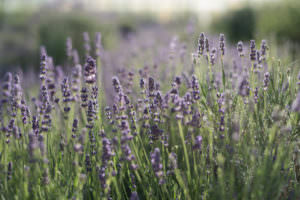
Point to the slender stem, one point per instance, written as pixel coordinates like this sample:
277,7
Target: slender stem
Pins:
223,74
185,151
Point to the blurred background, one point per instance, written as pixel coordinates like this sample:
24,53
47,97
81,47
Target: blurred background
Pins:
26,25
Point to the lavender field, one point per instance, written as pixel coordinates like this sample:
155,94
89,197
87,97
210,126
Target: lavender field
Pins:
179,121
156,111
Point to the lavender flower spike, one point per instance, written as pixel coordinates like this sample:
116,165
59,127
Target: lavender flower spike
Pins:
240,48
252,50
198,143
90,71
222,44
156,164
201,41
296,104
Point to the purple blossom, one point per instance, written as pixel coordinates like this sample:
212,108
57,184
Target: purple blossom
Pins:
201,41
222,44
198,143
90,71
156,164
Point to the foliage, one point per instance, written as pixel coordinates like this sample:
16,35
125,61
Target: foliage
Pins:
281,19
240,24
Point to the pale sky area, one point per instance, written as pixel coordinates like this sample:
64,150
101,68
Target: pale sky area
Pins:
167,5
144,5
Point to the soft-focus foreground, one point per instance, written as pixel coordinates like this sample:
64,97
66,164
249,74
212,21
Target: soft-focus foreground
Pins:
176,122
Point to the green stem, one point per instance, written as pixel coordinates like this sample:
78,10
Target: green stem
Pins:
185,151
